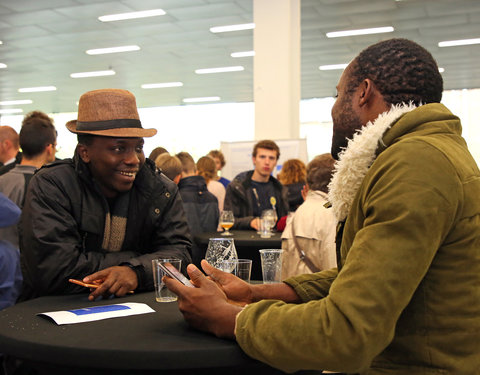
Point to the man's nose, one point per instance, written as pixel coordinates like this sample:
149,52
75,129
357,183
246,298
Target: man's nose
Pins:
131,157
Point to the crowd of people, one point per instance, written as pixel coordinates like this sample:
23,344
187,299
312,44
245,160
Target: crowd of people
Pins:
381,236
107,211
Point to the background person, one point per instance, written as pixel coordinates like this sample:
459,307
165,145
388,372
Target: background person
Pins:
105,214
254,191
207,169
170,165
201,206
38,139
405,297
293,177
220,162
9,149
156,152
308,240
10,273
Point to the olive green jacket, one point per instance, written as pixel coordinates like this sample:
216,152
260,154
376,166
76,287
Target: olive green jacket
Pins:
407,299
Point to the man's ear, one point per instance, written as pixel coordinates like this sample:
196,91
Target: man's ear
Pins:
83,153
367,91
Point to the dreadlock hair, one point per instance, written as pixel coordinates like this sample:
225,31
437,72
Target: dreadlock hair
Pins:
402,71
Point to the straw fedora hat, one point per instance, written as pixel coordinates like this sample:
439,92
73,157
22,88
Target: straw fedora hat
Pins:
109,112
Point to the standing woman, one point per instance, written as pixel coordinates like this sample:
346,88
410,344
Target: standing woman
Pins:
207,169
293,176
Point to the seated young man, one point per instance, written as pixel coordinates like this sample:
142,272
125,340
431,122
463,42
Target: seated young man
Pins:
105,214
254,191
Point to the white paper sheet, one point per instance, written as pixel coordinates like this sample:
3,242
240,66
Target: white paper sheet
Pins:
92,313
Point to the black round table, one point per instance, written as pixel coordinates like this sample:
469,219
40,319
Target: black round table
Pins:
247,244
153,343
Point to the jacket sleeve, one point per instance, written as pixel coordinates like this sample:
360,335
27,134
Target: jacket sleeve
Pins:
50,243
170,239
408,214
237,205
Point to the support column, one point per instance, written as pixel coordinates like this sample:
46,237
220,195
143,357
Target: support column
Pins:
277,68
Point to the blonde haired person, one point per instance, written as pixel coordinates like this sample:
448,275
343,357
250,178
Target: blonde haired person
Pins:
170,165
207,169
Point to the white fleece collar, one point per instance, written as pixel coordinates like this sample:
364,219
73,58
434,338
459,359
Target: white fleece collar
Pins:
356,159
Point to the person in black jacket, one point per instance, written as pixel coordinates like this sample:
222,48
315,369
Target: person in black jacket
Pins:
252,192
201,206
105,214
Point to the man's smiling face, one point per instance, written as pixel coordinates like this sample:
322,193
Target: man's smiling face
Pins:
113,162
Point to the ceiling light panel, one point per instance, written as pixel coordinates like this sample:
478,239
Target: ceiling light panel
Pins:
98,73
333,67
37,89
161,85
3,66
225,69
201,100
9,111
243,54
132,15
102,51
16,102
228,28
462,42
375,30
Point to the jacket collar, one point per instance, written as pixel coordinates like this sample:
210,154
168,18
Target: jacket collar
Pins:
356,159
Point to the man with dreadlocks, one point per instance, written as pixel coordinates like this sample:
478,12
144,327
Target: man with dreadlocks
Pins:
405,298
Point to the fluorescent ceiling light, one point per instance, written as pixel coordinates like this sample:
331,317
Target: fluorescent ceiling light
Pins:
220,70
99,73
101,51
204,99
161,85
2,66
333,67
13,110
37,89
441,70
243,54
132,15
462,42
375,30
225,29
16,102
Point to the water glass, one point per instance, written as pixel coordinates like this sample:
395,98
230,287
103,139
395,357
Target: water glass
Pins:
242,268
162,293
271,265
220,249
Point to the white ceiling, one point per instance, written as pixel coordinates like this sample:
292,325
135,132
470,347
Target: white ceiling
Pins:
44,41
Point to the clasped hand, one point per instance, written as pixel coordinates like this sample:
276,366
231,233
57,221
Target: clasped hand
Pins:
214,303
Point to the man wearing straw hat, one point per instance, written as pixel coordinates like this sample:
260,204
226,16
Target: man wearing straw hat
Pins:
102,216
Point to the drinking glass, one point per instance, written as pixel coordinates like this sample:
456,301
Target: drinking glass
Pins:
220,249
226,222
270,216
242,268
162,293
